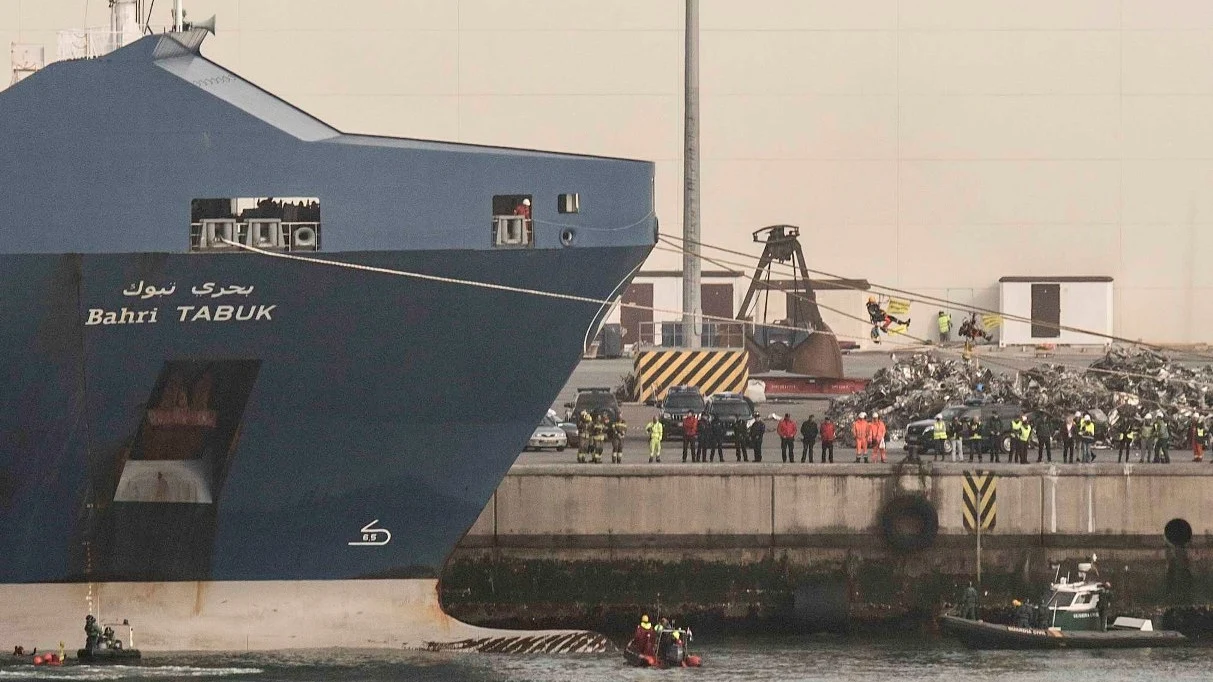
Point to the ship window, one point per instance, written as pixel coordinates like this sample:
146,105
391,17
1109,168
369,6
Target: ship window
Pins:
268,223
568,203
512,223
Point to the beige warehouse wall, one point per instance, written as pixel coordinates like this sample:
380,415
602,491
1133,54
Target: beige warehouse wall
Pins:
929,144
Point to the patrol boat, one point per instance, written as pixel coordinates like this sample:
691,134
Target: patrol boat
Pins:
1075,618
261,375
109,646
669,651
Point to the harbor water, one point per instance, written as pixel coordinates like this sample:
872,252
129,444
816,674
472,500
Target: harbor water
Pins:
763,658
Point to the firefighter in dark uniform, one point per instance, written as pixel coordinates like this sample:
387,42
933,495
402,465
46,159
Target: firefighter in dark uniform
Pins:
585,443
619,429
599,432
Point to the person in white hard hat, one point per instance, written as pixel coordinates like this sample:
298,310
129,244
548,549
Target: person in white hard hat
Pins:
859,429
1086,438
523,209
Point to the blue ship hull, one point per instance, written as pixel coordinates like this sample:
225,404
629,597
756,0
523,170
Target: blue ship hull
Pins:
174,413
348,399
211,440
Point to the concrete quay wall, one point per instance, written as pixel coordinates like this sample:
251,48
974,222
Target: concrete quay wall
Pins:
713,505
830,546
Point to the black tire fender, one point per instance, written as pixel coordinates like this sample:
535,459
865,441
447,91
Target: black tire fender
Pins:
909,523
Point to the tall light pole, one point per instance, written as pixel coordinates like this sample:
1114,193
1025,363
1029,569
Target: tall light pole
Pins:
691,272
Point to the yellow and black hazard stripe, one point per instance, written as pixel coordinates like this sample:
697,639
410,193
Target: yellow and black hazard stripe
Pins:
980,500
712,371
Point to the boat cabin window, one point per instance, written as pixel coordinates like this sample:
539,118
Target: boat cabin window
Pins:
1061,599
1084,598
267,223
512,223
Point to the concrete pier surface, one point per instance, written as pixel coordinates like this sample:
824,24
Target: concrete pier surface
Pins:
865,364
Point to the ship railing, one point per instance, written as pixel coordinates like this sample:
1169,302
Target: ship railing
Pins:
89,43
711,334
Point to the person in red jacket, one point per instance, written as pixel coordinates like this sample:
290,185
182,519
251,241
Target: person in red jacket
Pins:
690,433
859,429
787,438
828,434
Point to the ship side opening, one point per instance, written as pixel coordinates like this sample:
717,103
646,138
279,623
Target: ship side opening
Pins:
267,223
151,514
512,222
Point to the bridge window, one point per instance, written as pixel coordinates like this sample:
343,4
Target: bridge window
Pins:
268,223
512,222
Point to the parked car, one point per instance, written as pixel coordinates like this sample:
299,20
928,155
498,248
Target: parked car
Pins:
596,401
920,434
1005,413
730,407
678,403
571,434
548,434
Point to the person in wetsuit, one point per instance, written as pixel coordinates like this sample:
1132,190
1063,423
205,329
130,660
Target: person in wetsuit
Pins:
92,633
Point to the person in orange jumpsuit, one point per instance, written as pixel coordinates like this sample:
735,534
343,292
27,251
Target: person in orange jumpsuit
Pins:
877,432
860,430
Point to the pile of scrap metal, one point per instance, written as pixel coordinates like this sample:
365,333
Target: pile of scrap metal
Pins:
1125,383
1143,382
918,386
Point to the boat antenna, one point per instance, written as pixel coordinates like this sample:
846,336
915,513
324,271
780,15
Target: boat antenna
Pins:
178,16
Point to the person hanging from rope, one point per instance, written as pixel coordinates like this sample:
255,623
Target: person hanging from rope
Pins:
971,330
881,320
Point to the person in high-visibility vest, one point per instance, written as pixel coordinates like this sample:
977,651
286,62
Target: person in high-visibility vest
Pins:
1025,436
1086,438
945,326
975,437
1016,425
939,434
655,431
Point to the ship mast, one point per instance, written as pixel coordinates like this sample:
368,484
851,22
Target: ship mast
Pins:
124,22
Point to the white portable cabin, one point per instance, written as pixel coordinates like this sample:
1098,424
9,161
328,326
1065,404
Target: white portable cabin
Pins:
1077,302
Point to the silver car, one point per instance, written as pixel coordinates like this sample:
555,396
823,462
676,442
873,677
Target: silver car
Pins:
548,435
